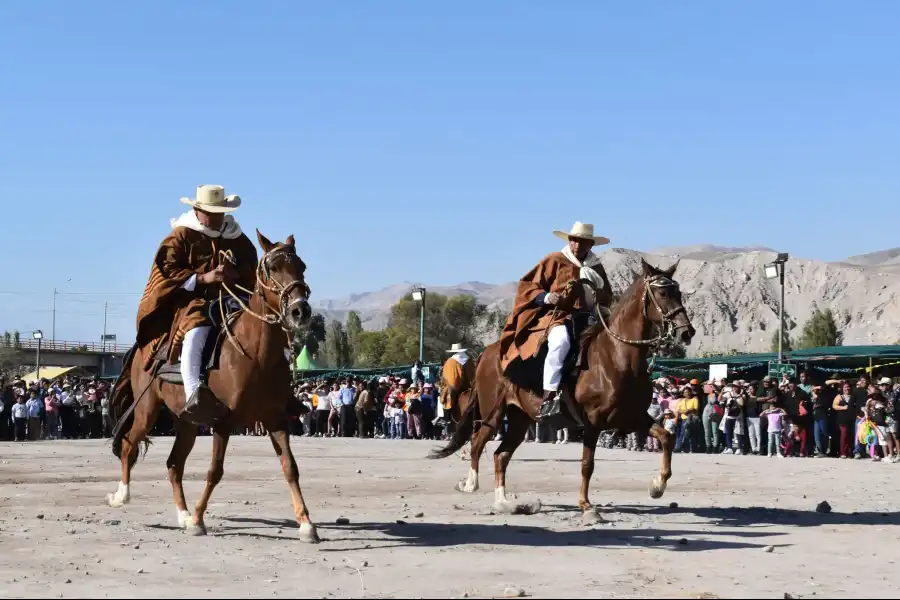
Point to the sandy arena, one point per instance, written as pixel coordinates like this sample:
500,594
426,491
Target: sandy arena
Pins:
411,535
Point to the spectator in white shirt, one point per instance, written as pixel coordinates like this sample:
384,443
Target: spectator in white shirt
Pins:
20,418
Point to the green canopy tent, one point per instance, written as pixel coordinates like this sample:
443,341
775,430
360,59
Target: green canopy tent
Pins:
304,361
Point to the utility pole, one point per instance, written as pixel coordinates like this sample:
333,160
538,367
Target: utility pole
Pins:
53,330
781,319
103,337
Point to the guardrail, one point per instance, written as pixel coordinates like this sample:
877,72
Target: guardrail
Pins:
67,346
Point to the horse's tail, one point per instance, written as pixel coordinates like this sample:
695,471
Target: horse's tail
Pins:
122,405
464,428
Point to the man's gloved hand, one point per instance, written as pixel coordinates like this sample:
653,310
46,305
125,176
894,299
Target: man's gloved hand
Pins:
552,299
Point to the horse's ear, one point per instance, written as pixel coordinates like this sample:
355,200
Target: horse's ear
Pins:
670,272
646,269
289,241
263,241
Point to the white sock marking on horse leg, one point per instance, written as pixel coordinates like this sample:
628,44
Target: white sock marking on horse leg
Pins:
122,496
472,480
184,518
500,495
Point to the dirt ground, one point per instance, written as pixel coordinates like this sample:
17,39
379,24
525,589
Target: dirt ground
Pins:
411,535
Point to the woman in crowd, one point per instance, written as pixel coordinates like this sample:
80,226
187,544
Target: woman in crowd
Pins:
845,409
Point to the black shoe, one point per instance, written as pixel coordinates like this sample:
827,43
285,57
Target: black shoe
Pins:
203,408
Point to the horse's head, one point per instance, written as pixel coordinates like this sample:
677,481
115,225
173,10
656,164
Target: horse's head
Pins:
280,276
668,311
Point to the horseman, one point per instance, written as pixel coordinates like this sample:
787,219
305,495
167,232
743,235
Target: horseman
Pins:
205,250
546,304
457,376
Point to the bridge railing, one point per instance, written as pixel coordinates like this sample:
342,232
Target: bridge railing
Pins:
69,346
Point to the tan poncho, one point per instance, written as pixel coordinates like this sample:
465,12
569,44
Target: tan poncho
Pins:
455,379
166,310
521,336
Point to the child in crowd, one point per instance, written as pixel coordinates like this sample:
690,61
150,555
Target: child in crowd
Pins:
775,418
398,419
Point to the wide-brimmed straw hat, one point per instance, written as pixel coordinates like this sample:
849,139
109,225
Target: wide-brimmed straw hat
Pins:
212,198
456,348
582,231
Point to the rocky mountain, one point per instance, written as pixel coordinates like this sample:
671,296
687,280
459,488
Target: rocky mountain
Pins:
731,303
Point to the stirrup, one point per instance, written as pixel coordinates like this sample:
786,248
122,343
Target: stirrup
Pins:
203,408
550,408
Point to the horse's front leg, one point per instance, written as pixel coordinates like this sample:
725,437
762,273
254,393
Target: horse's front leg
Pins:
281,442
589,440
666,442
213,477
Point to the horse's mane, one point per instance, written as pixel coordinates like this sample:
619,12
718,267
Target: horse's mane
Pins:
597,328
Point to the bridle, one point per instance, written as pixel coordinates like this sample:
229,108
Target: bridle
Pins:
265,282
668,327
264,274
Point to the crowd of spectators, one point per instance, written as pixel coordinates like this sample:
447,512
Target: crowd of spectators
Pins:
67,408
792,417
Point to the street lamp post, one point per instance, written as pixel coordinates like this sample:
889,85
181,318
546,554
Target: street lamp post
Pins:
38,335
776,269
418,295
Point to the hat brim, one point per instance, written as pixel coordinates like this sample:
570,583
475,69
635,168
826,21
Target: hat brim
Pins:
457,351
565,235
231,203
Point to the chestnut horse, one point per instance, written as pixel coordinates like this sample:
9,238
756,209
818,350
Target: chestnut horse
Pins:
254,381
613,392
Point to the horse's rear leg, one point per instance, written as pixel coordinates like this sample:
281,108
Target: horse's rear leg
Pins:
213,477
658,483
589,441
144,418
282,444
485,433
517,427
185,436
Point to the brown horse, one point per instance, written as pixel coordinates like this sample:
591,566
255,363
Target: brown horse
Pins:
254,381
613,392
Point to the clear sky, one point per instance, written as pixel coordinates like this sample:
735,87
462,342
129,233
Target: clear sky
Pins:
434,141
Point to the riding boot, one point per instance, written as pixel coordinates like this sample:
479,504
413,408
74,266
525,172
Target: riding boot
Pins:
203,408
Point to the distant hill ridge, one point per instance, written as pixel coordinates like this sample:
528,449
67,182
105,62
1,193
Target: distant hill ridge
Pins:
730,302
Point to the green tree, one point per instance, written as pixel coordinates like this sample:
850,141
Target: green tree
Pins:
369,349
313,337
786,343
7,339
337,346
354,332
820,330
17,339
494,322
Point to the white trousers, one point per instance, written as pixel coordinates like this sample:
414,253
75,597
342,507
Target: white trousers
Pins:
192,358
558,345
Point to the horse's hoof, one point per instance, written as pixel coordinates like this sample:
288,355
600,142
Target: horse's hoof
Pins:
592,517
308,534
195,530
464,487
657,488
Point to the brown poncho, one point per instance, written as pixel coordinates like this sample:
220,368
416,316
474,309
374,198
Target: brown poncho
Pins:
521,337
166,310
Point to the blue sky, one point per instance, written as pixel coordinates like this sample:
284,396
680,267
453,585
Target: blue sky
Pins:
439,142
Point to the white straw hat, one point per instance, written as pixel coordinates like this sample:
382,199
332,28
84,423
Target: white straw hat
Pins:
212,198
455,348
582,231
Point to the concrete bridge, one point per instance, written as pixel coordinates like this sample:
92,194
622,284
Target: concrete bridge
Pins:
104,359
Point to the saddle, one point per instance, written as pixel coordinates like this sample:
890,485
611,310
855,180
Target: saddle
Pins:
212,349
